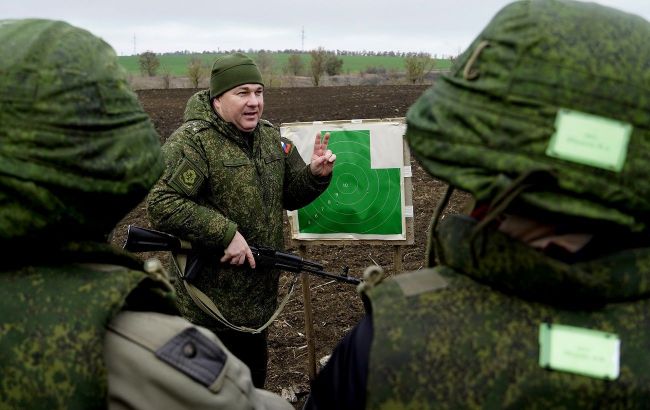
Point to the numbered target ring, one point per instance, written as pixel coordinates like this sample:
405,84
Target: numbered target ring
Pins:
360,199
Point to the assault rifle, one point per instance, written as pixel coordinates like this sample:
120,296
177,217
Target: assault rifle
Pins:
148,240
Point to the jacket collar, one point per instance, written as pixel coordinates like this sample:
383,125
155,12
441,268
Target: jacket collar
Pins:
513,267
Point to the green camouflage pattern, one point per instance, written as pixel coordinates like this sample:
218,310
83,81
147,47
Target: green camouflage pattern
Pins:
465,334
76,153
216,183
481,131
69,124
54,317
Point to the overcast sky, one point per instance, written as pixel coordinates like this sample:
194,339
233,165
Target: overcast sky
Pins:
437,27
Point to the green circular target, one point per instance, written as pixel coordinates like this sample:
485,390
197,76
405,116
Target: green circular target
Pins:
359,199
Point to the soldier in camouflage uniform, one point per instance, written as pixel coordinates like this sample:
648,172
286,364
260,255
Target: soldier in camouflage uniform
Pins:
541,295
81,324
229,176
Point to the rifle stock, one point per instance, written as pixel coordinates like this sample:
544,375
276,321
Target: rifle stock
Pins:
147,240
140,239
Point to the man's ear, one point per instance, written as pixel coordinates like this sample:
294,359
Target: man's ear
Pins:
216,104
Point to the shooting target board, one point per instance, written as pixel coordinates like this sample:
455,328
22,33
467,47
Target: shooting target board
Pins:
369,197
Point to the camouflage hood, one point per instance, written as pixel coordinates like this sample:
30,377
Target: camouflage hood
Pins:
199,107
539,72
76,149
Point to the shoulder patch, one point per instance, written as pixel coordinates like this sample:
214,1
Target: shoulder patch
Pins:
197,125
187,178
415,283
286,145
195,355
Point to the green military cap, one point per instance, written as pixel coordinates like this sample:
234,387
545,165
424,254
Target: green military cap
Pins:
232,70
557,88
78,151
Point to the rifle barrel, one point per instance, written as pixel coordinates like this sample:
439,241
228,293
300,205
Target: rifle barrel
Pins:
340,278
318,271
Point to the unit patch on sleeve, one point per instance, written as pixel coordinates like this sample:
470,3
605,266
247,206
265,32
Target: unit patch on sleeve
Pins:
187,179
286,147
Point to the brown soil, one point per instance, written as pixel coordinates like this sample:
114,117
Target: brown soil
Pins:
336,307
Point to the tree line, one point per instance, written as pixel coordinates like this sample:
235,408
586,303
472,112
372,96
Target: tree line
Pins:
363,53
319,62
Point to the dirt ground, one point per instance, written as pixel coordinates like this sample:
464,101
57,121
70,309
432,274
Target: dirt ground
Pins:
336,307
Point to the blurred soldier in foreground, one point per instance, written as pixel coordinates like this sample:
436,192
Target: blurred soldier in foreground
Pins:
539,298
81,325
229,176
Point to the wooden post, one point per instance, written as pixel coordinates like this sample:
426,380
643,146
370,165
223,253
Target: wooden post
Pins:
309,325
397,259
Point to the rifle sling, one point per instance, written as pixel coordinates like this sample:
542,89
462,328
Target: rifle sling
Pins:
208,306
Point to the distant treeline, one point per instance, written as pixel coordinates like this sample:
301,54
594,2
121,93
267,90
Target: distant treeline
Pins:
293,51
280,62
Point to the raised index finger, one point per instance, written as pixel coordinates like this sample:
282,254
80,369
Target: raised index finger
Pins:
317,141
326,140
322,143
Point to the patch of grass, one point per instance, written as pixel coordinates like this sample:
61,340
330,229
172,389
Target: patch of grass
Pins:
177,63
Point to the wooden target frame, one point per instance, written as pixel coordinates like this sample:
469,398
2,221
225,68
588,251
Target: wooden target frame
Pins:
303,244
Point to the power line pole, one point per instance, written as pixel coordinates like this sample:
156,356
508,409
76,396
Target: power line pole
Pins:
134,49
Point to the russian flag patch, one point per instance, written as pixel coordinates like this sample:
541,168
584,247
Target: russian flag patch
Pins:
286,147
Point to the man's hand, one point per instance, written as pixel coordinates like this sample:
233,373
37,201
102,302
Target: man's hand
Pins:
238,252
322,159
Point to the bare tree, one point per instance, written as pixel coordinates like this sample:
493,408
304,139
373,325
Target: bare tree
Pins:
318,57
294,64
264,61
333,65
149,63
166,77
417,67
195,71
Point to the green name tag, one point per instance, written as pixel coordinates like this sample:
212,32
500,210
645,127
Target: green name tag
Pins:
590,140
576,350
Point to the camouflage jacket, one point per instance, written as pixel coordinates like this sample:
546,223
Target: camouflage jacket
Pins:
219,181
466,334
53,324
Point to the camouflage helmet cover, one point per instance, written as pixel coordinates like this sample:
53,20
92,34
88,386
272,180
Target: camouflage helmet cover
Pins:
490,121
77,151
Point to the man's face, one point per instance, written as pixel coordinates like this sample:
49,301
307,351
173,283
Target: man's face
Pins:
242,106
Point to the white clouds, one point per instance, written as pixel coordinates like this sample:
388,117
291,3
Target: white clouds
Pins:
171,36
406,25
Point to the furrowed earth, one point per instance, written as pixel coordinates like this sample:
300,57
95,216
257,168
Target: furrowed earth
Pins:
336,307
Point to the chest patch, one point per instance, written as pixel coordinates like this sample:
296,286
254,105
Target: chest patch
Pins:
187,178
